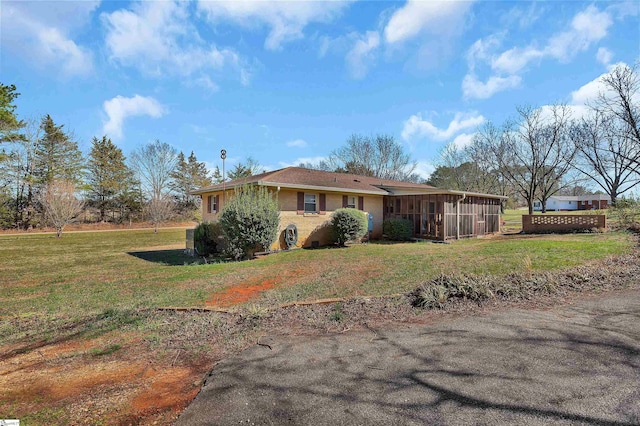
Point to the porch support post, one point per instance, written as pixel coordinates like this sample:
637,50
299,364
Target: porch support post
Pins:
458,215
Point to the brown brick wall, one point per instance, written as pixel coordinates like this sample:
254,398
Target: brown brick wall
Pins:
311,227
532,224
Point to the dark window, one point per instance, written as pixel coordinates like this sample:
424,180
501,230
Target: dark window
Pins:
310,205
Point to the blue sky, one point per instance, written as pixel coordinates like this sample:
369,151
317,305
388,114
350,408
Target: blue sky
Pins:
286,82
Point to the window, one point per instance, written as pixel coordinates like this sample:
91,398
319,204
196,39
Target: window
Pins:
351,201
212,203
310,205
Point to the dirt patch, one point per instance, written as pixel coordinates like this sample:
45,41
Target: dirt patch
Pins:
239,294
166,389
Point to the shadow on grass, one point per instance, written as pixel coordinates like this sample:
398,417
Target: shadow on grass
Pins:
175,257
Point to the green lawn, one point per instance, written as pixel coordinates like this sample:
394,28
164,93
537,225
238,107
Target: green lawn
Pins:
88,273
73,337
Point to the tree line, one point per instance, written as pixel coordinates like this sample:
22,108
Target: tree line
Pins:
538,153
544,151
43,174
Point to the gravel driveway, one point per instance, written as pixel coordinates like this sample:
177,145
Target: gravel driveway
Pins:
575,364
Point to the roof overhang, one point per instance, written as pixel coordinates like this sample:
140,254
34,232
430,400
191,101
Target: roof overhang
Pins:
438,191
281,185
322,188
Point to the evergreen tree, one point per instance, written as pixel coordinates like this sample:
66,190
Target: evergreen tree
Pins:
189,174
108,174
9,123
216,175
56,155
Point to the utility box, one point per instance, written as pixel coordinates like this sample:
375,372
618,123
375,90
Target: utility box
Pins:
191,245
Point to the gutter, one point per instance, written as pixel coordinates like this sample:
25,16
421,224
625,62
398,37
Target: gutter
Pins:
458,215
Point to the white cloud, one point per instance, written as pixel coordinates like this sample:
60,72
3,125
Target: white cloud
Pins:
158,39
604,56
435,17
286,20
118,109
463,140
361,55
586,28
42,33
297,143
302,160
514,60
424,169
472,88
417,127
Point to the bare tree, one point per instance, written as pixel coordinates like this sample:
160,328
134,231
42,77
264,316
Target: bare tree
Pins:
60,204
534,152
621,99
160,210
153,164
380,156
606,153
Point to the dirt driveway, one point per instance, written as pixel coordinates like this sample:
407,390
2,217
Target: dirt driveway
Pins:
566,365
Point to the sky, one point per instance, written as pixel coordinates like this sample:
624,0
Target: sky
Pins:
289,81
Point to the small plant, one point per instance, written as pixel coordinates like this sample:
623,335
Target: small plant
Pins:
257,311
528,267
206,238
397,229
337,314
106,351
348,224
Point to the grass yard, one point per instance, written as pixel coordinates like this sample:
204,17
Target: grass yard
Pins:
88,273
77,344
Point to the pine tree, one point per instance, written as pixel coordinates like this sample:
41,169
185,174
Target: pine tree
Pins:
188,175
108,175
216,175
9,123
56,155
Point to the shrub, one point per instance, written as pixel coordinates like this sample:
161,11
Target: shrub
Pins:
628,212
348,224
206,239
250,221
398,229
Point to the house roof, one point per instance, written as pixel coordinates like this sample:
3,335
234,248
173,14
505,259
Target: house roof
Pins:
310,179
587,197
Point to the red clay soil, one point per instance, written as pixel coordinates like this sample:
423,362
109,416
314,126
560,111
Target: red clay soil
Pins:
239,294
130,387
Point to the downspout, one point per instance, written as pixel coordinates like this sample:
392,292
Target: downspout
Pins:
458,215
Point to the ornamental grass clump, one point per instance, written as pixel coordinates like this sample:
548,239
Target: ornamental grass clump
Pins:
250,220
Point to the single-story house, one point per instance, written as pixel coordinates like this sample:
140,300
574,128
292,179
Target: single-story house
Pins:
307,198
575,202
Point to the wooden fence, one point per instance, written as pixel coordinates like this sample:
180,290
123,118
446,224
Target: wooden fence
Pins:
533,224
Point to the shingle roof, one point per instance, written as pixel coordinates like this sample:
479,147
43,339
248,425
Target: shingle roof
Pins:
301,178
298,177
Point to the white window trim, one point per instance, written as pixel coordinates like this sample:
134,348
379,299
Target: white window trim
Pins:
355,201
316,198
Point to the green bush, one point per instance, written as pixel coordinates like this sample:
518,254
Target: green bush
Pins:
206,239
348,224
398,229
250,221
